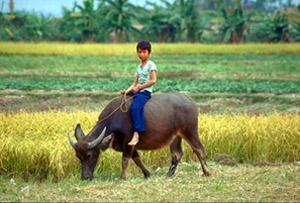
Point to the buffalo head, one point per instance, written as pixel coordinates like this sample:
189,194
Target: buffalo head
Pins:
88,148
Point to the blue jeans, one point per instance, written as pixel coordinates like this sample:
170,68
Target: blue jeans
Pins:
137,110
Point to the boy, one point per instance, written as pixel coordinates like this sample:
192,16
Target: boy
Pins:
141,89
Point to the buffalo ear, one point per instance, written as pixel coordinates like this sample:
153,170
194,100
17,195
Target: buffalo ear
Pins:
78,132
105,143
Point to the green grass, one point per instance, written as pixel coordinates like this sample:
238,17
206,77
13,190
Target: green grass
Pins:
249,73
250,66
239,183
253,80
164,85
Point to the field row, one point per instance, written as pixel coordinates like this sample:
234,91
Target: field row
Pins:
36,143
210,103
72,49
164,85
249,66
241,183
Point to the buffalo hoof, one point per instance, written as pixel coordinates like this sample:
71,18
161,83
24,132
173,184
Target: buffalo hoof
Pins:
123,178
147,174
171,171
206,174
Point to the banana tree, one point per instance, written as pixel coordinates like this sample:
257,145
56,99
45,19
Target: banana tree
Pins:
119,19
81,23
270,28
32,26
6,25
69,29
189,16
160,23
281,27
195,22
294,19
11,7
235,22
86,19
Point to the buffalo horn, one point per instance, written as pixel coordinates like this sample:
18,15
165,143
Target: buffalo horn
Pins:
78,132
98,140
70,139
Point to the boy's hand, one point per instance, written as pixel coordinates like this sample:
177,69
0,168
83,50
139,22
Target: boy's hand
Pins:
122,92
135,89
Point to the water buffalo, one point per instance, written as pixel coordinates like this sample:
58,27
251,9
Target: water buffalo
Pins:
170,117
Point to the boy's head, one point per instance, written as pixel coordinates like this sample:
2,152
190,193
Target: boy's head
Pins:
143,50
143,45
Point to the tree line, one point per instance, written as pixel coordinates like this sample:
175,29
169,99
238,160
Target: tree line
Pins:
215,21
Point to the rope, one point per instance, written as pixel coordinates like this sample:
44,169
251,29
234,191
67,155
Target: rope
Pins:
121,107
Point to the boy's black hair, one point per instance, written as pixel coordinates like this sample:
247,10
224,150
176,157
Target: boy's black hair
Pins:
144,45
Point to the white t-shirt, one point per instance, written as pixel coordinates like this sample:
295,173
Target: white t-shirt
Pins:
144,74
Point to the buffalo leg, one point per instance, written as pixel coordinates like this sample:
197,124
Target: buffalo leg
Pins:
137,160
124,166
198,148
177,153
127,154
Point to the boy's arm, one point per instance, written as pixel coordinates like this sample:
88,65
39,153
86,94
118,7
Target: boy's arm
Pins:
149,83
132,86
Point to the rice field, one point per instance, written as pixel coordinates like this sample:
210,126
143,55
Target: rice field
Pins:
36,144
248,96
73,49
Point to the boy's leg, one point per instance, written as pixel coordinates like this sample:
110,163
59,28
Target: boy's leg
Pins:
135,139
137,114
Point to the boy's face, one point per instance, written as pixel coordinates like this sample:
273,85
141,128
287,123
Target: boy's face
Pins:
143,54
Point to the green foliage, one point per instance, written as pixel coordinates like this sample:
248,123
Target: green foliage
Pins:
219,66
164,85
181,20
234,26
120,17
270,28
83,23
27,26
294,19
69,30
247,73
161,24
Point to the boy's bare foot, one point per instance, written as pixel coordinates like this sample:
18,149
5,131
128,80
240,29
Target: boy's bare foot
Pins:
134,140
